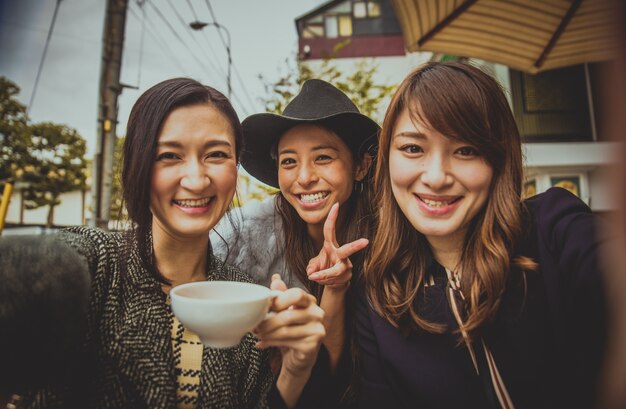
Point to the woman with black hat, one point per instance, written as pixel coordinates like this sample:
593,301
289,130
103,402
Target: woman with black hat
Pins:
319,154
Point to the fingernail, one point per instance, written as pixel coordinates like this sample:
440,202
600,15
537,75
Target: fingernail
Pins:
275,277
314,276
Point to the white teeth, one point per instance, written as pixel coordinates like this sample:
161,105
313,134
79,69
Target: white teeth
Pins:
435,203
193,202
313,197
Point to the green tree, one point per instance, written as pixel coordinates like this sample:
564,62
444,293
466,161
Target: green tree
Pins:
248,190
358,83
14,135
56,165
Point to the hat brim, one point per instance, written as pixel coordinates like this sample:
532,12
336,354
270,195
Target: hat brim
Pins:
262,131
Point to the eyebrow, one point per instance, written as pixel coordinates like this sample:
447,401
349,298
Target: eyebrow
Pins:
413,135
208,144
316,148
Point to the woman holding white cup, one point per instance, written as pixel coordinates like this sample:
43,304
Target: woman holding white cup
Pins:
179,177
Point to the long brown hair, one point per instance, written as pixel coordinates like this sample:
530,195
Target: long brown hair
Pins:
461,102
299,247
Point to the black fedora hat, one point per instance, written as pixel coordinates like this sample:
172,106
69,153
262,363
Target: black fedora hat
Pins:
318,102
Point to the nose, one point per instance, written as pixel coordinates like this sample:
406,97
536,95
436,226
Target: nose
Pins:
195,176
436,172
307,174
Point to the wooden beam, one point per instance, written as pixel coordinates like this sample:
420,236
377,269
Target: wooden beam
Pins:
446,21
557,33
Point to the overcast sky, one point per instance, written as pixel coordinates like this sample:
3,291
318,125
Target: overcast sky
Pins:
263,36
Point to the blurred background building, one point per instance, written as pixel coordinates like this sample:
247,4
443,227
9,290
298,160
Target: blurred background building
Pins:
559,111
549,56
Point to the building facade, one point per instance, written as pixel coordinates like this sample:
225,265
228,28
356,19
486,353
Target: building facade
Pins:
558,112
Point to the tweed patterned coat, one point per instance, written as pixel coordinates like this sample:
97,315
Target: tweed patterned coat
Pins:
129,361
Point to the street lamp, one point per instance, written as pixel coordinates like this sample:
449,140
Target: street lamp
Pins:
199,25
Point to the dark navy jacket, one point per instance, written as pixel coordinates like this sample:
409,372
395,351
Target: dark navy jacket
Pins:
547,345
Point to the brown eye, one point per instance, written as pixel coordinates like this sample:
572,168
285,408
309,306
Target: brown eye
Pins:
218,154
468,151
412,148
166,156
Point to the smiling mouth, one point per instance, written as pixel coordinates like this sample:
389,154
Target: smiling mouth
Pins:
313,197
191,203
438,203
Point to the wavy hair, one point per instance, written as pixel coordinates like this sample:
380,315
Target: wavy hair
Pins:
463,103
299,247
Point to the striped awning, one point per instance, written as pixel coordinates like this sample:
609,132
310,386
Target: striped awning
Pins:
529,35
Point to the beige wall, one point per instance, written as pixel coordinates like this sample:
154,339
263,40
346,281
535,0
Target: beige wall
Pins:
70,212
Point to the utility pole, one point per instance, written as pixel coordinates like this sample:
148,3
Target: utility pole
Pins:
110,89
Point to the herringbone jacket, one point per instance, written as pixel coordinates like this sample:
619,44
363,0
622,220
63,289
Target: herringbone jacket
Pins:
128,361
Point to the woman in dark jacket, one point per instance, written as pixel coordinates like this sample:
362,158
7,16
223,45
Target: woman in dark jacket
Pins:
179,177
473,297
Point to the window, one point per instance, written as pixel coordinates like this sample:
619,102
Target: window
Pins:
365,9
331,23
359,9
331,27
373,9
551,105
345,26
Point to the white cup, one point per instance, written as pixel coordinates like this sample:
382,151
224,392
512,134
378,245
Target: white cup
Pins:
221,312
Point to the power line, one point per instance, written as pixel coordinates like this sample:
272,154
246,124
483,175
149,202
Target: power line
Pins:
178,36
200,63
208,4
57,34
152,31
216,68
192,9
43,56
226,45
208,41
243,87
241,84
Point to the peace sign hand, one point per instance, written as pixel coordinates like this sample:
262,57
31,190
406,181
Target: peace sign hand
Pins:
332,266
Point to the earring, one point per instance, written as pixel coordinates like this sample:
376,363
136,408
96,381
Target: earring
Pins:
358,186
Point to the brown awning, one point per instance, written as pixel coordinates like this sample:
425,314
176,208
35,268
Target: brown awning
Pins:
529,35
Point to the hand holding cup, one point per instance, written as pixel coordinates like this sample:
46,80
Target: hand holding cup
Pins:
296,328
220,312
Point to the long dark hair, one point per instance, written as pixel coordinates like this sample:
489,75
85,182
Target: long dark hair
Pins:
357,223
299,247
144,125
462,102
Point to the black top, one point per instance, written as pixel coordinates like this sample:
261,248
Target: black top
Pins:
547,346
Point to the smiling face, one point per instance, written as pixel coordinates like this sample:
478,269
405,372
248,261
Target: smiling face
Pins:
194,173
439,183
315,170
